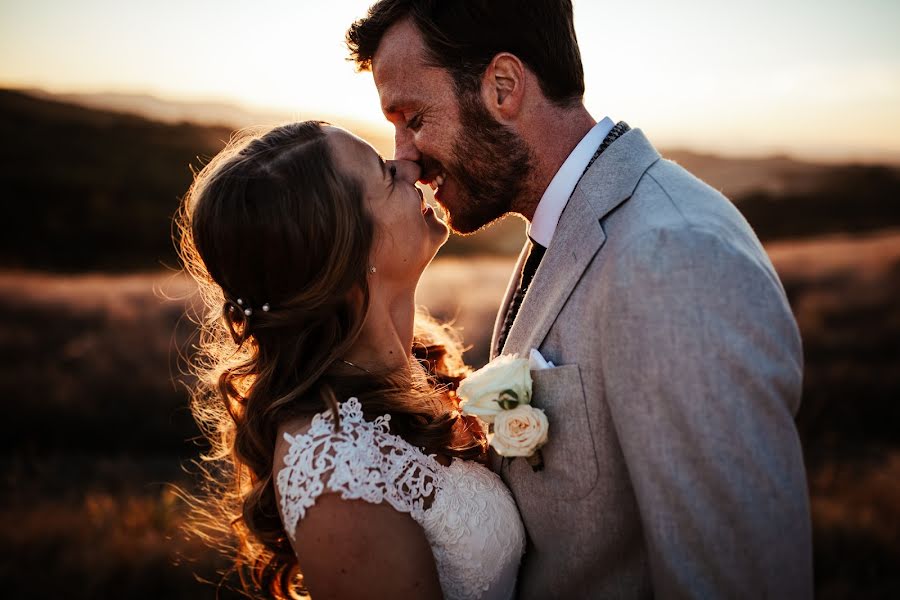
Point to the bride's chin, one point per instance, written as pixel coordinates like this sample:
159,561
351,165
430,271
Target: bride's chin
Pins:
440,233
437,244
444,236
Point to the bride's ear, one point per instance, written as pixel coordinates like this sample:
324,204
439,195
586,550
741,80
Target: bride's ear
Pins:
503,86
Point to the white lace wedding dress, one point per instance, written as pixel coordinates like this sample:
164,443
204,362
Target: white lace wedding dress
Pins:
467,513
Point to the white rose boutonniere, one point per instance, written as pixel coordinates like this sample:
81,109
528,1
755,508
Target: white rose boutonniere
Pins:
500,394
520,431
503,383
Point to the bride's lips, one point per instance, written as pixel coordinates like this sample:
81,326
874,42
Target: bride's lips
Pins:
424,206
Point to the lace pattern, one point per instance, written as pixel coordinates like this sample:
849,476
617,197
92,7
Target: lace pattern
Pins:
476,534
467,514
362,460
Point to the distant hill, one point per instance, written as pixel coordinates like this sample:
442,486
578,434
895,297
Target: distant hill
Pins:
86,188
221,114
737,177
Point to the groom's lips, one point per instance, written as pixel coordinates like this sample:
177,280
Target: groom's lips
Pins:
435,180
435,177
433,173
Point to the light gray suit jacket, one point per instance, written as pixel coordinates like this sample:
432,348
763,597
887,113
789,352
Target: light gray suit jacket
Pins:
673,467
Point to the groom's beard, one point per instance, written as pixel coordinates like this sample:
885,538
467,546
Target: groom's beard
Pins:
490,164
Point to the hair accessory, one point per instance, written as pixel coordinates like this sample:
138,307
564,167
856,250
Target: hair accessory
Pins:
246,308
239,327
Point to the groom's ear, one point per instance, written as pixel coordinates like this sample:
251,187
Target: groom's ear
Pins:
503,86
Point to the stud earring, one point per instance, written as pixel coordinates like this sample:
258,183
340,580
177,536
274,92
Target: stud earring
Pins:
372,270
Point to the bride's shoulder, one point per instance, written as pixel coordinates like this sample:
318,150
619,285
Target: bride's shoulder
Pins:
353,458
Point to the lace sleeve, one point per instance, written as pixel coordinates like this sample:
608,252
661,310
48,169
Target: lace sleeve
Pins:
362,460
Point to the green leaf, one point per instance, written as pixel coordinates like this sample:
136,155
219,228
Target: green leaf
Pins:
508,399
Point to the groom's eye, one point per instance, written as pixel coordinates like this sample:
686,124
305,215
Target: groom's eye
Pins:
415,123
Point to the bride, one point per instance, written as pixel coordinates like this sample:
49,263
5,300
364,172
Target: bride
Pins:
323,392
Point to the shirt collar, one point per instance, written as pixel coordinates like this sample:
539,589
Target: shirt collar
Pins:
556,196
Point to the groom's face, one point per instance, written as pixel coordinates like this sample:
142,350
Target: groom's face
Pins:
476,165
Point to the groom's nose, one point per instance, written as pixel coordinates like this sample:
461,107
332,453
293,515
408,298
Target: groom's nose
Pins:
404,145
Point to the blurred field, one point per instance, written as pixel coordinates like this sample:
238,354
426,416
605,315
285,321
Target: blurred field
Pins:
98,429
845,293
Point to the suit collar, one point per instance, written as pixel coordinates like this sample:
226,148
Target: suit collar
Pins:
556,196
579,236
614,175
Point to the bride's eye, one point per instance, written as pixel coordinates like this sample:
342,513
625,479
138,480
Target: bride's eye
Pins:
392,171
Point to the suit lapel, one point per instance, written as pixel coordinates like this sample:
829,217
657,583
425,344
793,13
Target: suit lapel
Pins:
578,237
510,292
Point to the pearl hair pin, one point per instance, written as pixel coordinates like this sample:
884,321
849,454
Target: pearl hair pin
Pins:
247,310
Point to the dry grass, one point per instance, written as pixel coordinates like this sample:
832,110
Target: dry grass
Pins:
100,527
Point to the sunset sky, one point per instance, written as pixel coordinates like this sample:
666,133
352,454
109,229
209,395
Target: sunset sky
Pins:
814,78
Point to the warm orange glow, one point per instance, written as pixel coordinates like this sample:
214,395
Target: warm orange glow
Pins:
818,80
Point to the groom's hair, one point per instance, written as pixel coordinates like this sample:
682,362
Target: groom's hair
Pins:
463,36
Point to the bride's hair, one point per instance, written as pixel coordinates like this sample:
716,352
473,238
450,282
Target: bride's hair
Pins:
272,221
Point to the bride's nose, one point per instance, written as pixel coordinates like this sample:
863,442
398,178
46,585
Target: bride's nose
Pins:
407,170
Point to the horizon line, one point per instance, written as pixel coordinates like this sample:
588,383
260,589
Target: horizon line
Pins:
274,113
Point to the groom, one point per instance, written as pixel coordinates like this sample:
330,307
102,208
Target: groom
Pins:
673,468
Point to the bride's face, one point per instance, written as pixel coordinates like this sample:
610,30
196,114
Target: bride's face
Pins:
407,232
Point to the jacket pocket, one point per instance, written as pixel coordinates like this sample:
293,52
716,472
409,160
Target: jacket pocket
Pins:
570,460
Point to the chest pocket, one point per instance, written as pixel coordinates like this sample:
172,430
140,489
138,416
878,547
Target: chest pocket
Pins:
570,460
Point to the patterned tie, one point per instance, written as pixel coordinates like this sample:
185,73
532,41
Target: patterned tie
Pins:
536,251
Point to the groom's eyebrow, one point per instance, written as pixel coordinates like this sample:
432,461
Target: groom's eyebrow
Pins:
396,106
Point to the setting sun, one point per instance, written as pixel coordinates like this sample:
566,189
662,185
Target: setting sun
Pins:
815,79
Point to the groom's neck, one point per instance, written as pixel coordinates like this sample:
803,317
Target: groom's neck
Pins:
551,132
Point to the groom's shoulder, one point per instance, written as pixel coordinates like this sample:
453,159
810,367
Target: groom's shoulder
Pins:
668,198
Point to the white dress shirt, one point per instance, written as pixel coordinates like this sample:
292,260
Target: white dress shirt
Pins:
556,196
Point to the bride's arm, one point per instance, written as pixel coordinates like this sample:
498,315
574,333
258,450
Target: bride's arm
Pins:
355,549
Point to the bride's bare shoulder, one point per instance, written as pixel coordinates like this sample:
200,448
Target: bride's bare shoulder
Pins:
336,542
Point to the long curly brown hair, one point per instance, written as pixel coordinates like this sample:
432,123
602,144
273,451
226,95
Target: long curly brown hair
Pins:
271,220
